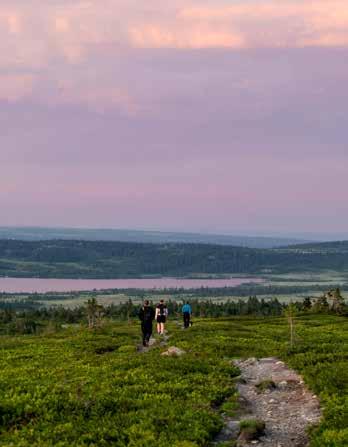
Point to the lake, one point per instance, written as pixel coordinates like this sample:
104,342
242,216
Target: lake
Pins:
31,285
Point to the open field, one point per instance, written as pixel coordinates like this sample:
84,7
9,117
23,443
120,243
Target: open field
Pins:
327,278
78,300
107,300
81,388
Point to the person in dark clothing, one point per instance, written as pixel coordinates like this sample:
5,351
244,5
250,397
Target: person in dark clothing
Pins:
187,312
146,316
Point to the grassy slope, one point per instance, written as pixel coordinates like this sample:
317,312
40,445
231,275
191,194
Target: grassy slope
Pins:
61,390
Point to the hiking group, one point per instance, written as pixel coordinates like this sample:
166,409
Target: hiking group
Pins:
148,314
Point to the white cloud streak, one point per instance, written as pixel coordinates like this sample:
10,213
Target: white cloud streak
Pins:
36,36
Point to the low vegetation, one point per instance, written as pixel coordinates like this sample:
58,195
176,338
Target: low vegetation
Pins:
83,387
251,429
265,385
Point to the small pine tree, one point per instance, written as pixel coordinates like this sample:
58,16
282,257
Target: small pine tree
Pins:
337,301
321,305
129,310
94,313
307,303
290,314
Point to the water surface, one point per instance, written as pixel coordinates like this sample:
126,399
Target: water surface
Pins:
32,285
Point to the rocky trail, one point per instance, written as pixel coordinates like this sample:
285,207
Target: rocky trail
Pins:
276,396
275,407
154,341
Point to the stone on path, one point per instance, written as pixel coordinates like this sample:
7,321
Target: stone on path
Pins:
173,351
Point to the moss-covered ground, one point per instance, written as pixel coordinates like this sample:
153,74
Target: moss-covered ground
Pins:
83,388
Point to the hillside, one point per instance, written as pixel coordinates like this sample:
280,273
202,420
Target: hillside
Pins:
158,237
101,259
321,247
75,387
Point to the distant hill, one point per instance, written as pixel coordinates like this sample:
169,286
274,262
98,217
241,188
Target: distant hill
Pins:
39,234
110,259
320,247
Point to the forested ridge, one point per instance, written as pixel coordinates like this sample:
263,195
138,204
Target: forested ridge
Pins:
157,237
323,247
103,259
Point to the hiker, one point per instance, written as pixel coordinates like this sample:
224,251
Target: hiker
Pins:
146,316
187,312
161,316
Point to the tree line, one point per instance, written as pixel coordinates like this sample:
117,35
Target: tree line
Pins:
102,259
35,320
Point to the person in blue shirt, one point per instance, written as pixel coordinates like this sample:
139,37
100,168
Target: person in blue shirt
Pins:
187,312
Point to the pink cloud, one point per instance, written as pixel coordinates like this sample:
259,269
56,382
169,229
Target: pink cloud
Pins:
292,24
12,21
330,39
157,36
53,38
100,98
16,87
34,33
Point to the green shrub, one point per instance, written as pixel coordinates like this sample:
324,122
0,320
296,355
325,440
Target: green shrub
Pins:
265,385
251,429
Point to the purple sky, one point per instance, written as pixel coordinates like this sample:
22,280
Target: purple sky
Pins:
202,115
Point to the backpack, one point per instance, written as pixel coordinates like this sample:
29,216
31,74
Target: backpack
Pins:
148,313
161,308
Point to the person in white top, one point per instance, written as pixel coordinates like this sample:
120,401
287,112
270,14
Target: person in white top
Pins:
161,316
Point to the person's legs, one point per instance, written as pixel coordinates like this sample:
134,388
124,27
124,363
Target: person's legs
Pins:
148,333
186,320
158,327
144,331
162,328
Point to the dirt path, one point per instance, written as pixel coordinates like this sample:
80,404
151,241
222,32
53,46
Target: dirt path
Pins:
159,341
281,401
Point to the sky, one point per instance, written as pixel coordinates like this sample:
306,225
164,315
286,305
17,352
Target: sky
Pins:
185,115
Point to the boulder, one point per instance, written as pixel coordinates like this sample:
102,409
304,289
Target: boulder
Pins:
173,351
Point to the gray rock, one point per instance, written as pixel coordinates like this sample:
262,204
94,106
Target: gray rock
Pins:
282,385
173,351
